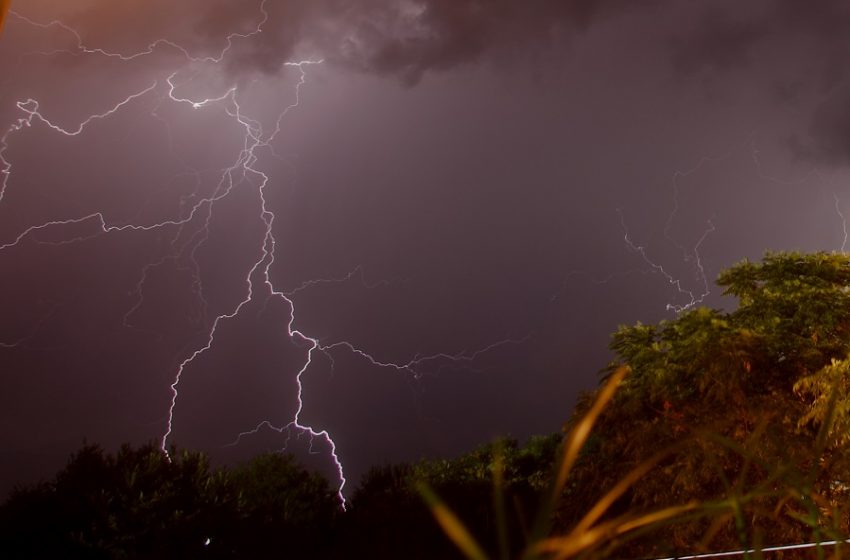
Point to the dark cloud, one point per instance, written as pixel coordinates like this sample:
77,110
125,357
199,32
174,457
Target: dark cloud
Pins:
721,41
411,38
478,207
829,131
406,38
723,34
796,51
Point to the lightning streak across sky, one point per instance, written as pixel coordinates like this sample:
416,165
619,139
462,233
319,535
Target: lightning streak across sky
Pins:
692,255
161,248
693,298
843,219
196,218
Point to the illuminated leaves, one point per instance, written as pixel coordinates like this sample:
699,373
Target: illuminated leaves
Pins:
758,398
828,391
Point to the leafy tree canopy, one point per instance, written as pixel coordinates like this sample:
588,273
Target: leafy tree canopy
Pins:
740,398
389,519
751,405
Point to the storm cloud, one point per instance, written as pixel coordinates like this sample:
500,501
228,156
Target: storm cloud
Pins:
406,38
798,51
494,185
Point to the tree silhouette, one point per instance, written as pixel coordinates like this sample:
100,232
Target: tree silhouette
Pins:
139,503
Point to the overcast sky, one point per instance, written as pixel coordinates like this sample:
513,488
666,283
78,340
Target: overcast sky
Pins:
457,200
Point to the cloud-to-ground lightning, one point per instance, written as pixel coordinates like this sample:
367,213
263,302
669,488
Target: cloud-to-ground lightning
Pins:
194,219
689,254
694,298
692,255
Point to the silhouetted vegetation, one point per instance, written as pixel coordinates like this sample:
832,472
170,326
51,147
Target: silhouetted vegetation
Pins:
137,503
715,430
388,515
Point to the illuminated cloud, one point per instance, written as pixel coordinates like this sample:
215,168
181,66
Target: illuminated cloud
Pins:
406,38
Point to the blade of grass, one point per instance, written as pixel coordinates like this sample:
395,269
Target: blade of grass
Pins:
578,435
572,446
499,500
451,525
575,543
602,505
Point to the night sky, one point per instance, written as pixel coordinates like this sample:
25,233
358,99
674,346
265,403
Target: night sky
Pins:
431,214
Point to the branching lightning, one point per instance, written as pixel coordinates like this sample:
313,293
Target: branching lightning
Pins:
82,49
689,255
357,273
694,299
241,173
692,255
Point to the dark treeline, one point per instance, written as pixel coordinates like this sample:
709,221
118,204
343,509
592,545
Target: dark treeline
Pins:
718,431
136,503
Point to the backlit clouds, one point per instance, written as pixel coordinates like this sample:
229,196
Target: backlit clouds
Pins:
401,38
455,174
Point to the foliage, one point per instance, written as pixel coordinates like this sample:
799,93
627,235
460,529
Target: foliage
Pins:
591,532
729,432
739,398
726,430
387,513
282,506
139,503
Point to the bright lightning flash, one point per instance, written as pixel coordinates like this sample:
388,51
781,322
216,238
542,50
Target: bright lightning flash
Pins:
241,173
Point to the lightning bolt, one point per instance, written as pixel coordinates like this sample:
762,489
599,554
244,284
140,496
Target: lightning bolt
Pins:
843,248
689,255
30,108
242,171
82,49
694,299
692,254
357,273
